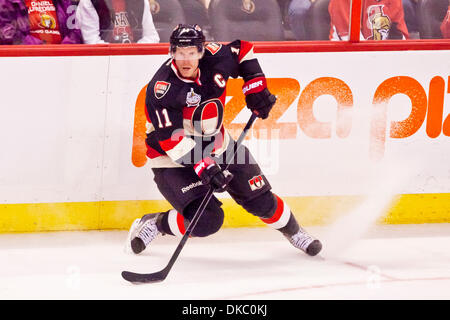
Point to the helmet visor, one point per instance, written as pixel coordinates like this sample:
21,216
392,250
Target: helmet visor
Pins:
187,53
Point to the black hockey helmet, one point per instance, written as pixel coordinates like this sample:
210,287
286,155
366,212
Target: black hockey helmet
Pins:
187,35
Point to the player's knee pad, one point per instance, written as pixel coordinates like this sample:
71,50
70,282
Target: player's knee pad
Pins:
262,206
211,220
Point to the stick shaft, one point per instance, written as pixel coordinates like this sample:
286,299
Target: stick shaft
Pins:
207,198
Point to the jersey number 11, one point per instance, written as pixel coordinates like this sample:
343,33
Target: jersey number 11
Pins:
166,118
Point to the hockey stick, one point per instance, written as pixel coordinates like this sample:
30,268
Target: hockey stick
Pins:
137,278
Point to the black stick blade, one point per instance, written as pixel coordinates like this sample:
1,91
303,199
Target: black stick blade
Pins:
139,278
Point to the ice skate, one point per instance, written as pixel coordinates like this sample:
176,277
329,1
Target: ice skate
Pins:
142,232
302,240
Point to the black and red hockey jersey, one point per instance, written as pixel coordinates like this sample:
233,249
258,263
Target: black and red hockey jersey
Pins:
185,116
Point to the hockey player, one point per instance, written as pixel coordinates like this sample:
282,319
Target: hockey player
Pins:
187,143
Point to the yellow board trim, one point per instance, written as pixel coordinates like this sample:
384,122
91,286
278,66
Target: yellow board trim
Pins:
315,210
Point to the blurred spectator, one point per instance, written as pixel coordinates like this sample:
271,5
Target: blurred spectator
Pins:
411,19
195,12
37,22
297,11
116,21
381,20
445,26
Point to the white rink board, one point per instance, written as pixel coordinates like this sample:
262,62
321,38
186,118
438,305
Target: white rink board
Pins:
67,127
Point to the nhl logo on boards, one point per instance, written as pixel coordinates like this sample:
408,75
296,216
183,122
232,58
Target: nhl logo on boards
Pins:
193,99
256,183
161,88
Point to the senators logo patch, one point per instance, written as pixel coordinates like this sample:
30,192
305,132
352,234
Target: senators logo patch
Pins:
256,183
161,88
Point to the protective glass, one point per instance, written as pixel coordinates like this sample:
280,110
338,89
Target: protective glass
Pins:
187,53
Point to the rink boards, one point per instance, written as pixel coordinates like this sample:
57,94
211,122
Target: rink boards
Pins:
347,127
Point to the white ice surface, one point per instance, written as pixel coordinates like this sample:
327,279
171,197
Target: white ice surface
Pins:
388,262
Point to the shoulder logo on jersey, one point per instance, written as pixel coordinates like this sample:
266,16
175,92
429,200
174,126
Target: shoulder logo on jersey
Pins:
161,88
213,47
193,99
256,183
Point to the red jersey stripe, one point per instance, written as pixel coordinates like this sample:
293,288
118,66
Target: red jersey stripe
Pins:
210,111
152,153
170,143
187,112
246,47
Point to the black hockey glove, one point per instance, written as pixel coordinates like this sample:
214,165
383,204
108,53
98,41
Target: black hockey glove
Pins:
258,97
210,173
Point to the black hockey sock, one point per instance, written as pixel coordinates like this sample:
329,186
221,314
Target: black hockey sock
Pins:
291,227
